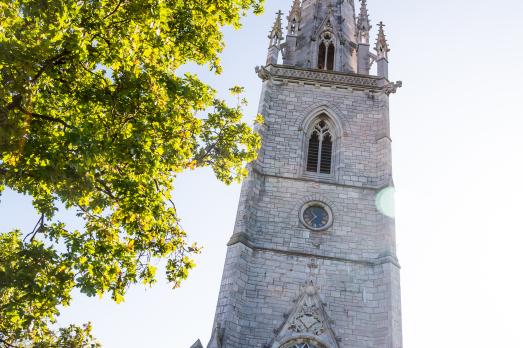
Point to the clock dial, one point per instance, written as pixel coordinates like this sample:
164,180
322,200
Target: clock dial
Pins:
316,217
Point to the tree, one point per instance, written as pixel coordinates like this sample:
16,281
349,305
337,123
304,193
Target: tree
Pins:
94,115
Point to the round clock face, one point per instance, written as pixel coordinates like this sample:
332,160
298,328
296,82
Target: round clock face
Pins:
316,217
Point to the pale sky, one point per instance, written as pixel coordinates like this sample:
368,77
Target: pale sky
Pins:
458,164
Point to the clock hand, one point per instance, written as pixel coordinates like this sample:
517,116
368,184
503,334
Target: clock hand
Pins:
314,217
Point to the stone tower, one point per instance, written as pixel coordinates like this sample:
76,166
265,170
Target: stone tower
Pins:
312,260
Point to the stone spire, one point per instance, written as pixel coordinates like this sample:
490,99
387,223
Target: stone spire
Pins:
314,24
382,47
294,18
275,37
363,23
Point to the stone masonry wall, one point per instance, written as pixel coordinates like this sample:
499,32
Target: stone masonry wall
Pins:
357,297
272,256
364,160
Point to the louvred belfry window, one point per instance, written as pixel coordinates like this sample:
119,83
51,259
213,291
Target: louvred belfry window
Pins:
330,57
319,154
322,53
326,52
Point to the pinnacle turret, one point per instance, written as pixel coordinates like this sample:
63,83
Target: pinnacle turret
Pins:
363,24
294,18
382,47
276,34
382,52
275,37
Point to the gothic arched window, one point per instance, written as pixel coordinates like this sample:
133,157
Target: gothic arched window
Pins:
326,52
319,151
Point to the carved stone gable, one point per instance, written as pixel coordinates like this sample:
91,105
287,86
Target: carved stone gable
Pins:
327,25
308,320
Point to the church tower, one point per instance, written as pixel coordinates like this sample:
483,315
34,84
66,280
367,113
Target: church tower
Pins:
312,259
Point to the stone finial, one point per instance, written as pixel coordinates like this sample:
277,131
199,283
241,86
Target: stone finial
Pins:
294,18
276,34
382,47
363,24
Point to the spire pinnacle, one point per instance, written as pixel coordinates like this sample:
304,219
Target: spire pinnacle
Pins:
363,23
276,34
382,47
294,18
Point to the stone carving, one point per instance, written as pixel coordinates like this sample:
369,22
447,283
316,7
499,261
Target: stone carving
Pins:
263,73
308,319
307,323
318,76
392,87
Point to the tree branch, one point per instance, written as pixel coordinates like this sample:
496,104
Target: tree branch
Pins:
6,343
17,104
123,21
17,101
39,225
113,11
51,62
99,35
201,159
44,117
105,188
94,74
163,194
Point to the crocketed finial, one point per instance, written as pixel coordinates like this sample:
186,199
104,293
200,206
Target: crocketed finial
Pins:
276,34
363,23
382,47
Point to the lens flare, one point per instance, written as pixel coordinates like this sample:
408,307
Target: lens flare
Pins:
385,202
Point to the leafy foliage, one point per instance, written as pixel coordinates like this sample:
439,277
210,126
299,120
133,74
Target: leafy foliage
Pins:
93,114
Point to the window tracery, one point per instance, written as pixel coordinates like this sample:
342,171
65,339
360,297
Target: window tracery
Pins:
320,149
326,51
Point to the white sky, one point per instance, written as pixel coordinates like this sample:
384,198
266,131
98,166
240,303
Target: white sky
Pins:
458,162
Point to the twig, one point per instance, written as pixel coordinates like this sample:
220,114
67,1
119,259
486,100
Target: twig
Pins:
36,229
105,188
6,343
93,73
103,38
113,11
